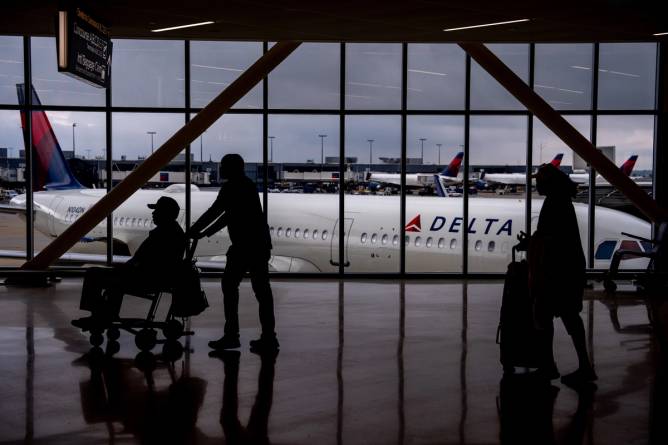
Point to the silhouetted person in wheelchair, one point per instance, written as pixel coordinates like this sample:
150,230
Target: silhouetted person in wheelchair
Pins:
151,268
238,208
557,272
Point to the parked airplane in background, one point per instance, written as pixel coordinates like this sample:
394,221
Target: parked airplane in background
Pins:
515,178
626,168
448,175
305,228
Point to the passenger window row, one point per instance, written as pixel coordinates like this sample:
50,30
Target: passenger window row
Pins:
418,241
306,234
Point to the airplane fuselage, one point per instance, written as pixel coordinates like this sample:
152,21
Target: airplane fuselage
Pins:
304,229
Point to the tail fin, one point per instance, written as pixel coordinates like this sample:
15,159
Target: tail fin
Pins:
453,167
50,169
627,167
557,160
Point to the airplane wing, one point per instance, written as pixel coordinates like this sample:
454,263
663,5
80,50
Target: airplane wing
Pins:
13,210
90,258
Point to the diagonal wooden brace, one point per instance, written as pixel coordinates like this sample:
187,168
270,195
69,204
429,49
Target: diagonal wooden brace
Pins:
565,131
191,131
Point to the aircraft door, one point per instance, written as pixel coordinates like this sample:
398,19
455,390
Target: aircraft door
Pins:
334,249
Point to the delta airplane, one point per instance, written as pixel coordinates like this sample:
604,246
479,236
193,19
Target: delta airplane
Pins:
305,228
626,168
515,178
448,175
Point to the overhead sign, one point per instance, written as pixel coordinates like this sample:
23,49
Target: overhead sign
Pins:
84,48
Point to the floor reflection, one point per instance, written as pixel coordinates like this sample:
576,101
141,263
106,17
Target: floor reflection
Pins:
362,362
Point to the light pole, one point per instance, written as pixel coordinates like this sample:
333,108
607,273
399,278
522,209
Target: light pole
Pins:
74,124
201,151
439,153
271,148
370,141
422,150
322,152
152,133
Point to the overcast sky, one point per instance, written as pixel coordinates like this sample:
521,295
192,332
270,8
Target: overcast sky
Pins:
152,73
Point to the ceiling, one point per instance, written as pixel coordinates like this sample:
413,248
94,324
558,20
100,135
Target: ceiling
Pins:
356,20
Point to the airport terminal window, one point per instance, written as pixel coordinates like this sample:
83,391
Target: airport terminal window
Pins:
54,88
626,76
302,140
487,93
215,65
563,75
308,78
373,76
11,68
148,73
436,77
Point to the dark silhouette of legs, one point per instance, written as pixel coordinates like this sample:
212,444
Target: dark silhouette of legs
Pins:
259,273
234,273
575,328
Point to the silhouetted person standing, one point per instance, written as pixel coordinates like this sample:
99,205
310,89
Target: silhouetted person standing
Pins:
152,267
238,208
557,272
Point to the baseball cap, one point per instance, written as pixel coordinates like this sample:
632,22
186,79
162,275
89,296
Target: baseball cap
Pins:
168,205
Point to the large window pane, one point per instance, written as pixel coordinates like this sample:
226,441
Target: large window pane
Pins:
232,133
373,149
85,132
559,75
303,202
373,76
627,73
215,65
308,78
496,214
148,73
12,183
547,147
56,88
131,144
434,223
436,76
11,68
487,93
624,137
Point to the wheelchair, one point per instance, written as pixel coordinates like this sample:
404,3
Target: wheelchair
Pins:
145,330
657,255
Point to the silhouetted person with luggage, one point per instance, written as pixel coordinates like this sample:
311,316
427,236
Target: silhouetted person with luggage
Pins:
238,208
152,266
557,272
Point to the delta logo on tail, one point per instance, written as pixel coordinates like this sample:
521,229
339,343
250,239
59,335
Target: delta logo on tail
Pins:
50,169
452,170
557,160
414,225
627,167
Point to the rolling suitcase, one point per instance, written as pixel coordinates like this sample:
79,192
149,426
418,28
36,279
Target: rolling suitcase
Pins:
517,336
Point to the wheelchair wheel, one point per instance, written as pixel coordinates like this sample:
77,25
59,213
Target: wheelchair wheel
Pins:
609,285
173,330
96,338
172,351
146,339
113,333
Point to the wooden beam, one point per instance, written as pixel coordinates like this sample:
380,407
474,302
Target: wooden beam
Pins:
152,165
565,131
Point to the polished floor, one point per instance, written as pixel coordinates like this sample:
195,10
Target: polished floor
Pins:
360,363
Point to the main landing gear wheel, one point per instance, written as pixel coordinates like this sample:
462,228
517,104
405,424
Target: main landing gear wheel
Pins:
113,333
96,338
